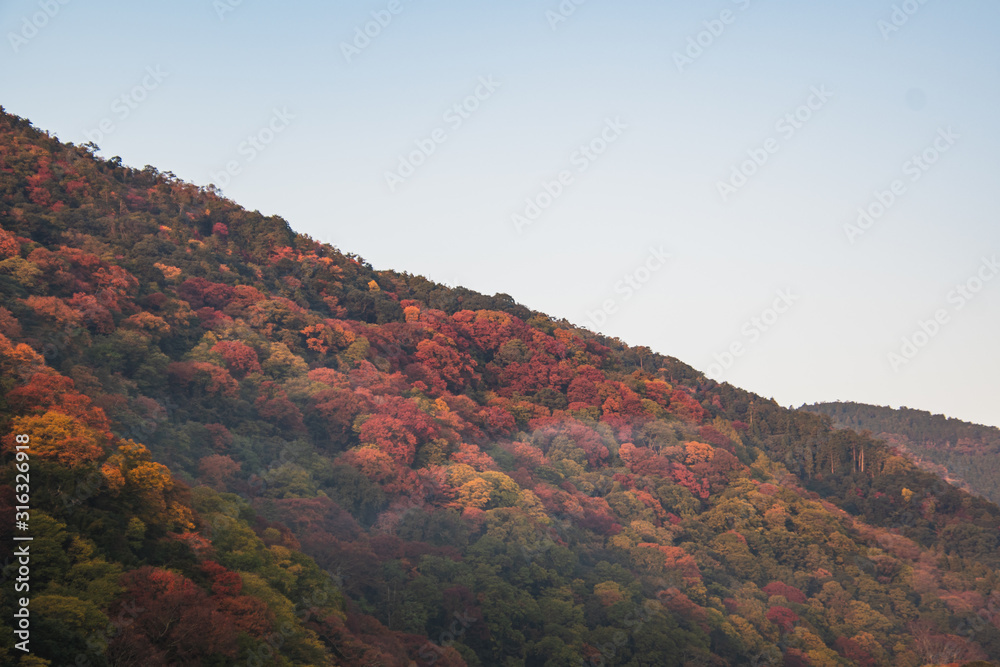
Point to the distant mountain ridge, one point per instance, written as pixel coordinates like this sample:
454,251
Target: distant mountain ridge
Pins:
964,453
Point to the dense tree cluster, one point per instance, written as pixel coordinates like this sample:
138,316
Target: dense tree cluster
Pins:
251,447
967,454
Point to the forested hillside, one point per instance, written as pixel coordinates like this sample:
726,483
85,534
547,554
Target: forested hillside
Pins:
247,447
967,453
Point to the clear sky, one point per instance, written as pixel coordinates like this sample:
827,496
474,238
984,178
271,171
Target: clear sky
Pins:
739,138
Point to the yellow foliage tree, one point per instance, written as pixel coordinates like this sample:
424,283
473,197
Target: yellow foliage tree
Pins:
474,493
608,592
698,452
131,470
60,438
19,360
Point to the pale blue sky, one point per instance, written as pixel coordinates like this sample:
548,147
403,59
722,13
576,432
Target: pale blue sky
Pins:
224,73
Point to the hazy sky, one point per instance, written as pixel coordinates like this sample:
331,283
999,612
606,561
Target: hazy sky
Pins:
688,176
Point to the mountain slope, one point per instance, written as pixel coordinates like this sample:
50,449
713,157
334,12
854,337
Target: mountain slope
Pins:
967,454
481,484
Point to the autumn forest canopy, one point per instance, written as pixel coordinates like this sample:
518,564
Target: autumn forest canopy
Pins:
248,447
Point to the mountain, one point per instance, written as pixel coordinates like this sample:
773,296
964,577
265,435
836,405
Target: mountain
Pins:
965,454
247,447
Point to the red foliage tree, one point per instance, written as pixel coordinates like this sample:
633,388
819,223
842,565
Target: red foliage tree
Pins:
9,325
49,391
391,436
657,391
854,652
489,329
643,461
619,400
241,299
9,245
582,390
713,437
783,617
449,367
497,421
687,479
379,466
200,374
225,583
794,657
790,593
471,455
274,405
92,312
337,410
175,616
546,429
685,407
216,470
220,436
240,359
